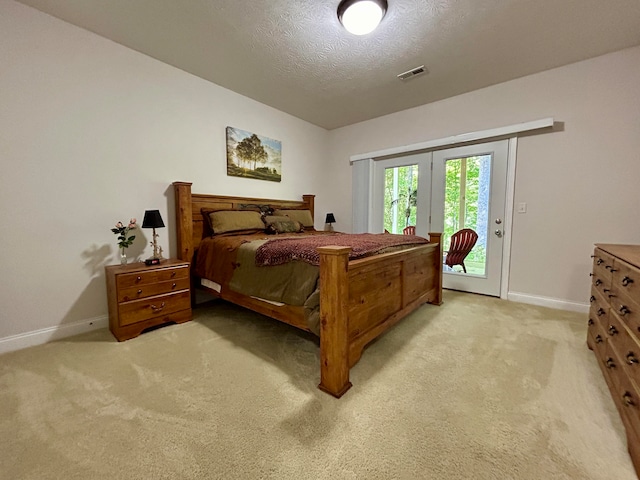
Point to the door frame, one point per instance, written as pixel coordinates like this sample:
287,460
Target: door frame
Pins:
492,283
367,161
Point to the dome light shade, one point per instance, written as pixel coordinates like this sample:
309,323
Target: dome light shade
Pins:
361,16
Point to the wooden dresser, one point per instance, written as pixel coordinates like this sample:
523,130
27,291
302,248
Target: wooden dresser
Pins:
614,332
142,296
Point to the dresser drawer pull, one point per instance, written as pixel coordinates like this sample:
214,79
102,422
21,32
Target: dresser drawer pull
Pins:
626,281
613,330
173,274
173,285
623,310
138,278
598,339
598,282
600,312
591,274
631,358
139,291
628,399
610,363
157,309
592,299
610,268
599,261
590,322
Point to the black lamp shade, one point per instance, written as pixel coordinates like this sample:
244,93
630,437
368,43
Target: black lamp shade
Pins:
152,219
330,218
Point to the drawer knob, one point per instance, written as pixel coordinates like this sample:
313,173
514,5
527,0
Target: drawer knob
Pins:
138,278
598,282
610,363
592,299
157,309
173,285
613,330
139,291
623,310
598,339
610,268
627,398
599,261
173,274
590,322
626,281
600,312
631,358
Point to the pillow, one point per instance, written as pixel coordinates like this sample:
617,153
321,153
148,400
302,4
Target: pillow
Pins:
224,221
302,216
282,224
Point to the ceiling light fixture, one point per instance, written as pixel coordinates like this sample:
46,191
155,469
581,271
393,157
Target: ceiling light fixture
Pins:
361,16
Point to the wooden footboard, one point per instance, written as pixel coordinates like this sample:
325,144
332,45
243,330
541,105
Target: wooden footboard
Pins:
359,300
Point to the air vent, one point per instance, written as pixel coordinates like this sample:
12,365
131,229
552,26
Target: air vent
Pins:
413,72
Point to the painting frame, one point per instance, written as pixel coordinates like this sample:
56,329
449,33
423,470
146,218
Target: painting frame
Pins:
250,155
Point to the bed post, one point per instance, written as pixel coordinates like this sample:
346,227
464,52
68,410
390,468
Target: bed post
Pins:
334,321
184,215
310,200
437,238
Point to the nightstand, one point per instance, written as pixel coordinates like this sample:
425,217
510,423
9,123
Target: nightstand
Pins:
142,296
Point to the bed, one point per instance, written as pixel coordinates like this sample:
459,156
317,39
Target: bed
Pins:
359,300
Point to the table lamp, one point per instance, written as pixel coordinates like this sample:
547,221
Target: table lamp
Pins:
328,222
152,219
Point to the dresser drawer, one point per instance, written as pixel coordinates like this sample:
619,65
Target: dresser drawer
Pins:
144,309
136,279
626,279
627,399
599,309
603,264
627,308
596,339
628,350
614,331
150,289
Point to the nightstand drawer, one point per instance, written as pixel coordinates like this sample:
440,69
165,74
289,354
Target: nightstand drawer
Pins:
151,289
157,275
140,310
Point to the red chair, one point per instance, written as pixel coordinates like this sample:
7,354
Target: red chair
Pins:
410,230
462,242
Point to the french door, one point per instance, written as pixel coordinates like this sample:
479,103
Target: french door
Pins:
447,191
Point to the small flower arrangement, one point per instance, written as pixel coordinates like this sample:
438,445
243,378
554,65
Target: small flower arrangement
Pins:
122,232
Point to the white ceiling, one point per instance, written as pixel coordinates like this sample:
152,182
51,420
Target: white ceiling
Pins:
295,56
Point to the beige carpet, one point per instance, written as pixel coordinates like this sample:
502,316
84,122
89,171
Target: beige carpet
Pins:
478,388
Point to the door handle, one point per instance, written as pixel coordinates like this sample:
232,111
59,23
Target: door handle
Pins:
499,233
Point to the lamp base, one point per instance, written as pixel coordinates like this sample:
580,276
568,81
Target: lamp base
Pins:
328,227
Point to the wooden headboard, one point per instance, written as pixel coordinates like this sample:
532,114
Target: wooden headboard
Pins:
191,230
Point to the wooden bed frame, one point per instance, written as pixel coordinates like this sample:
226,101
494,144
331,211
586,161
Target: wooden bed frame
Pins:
359,299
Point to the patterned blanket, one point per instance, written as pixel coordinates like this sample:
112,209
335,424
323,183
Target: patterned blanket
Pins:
282,250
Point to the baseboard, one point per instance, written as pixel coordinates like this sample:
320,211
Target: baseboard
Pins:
39,337
548,302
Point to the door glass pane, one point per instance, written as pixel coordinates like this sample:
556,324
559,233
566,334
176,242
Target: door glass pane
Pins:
466,205
400,194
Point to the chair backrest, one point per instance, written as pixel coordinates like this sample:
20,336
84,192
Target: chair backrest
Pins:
461,244
409,230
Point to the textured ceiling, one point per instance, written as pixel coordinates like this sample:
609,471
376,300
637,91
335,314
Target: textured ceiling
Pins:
295,56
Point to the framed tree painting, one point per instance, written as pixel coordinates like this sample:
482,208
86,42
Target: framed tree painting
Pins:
253,156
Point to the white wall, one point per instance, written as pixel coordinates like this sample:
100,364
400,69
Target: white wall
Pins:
92,133
580,183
